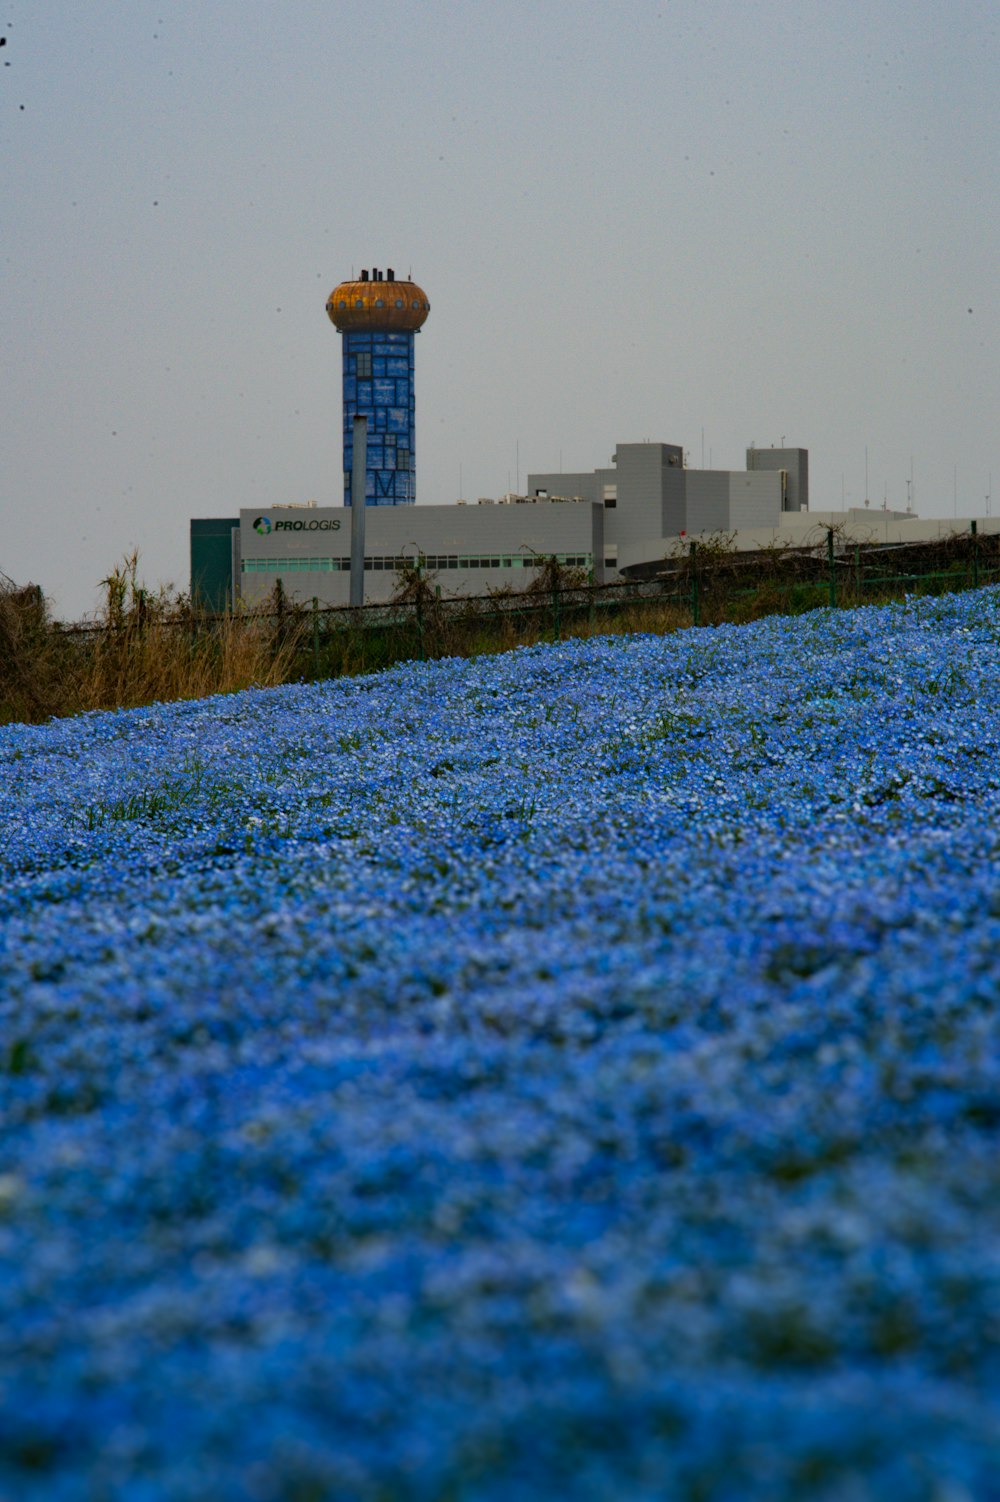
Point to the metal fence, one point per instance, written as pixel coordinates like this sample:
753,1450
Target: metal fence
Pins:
704,584
699,584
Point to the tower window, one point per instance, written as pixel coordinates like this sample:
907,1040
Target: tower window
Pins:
402,458
363,365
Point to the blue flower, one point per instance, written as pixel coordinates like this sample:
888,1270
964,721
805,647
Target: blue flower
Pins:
571,1072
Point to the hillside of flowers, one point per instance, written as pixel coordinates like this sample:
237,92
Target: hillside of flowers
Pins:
568,1074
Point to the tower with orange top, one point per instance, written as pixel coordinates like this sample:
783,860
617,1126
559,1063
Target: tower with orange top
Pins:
377,317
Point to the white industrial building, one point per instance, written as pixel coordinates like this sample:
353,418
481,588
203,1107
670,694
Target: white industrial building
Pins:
639,507
609,523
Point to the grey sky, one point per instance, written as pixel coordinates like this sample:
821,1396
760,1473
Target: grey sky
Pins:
702,223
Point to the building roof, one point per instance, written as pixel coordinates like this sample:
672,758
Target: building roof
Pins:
809,529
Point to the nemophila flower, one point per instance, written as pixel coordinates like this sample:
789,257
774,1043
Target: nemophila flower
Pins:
573,1072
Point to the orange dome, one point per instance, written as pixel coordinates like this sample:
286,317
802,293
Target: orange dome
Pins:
377,303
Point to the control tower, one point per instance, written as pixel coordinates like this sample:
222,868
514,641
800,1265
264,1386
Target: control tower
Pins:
377,317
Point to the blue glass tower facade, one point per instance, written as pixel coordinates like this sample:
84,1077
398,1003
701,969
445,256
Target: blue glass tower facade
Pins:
378,384
378,318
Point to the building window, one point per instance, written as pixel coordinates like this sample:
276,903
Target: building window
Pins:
363,365
402,458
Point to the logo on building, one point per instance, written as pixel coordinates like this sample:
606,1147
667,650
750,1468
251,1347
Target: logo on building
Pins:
313,524
264,526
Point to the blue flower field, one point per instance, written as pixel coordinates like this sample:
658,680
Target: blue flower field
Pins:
569,1074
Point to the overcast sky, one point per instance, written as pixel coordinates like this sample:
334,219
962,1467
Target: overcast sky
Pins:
694,221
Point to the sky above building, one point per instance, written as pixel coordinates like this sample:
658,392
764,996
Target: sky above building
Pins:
711,224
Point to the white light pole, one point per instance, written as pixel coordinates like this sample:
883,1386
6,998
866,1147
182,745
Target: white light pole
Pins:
358,477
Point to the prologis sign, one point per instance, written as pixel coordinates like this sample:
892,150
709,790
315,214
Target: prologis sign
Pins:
264,526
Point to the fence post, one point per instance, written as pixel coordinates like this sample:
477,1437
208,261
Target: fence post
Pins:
857,574
975,554
830,565
695,600
590,595
316,636
556,624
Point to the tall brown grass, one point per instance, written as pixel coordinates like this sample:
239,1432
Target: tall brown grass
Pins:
148,646
154,646
144,648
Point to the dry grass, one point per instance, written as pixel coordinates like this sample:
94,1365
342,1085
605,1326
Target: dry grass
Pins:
159,661
143,649
150,647
146,648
